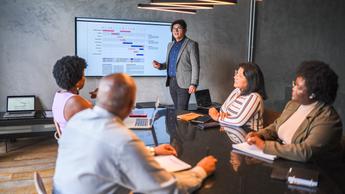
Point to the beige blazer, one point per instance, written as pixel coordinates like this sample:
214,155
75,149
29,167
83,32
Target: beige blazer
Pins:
317,137
188,64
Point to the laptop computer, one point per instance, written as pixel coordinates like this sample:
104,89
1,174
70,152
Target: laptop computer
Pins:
20,107
140,122
203,100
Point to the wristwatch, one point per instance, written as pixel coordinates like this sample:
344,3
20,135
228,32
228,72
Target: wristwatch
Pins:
151,150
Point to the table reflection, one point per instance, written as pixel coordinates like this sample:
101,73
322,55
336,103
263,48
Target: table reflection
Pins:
236,134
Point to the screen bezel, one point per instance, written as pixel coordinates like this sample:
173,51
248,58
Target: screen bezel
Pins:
112,21
24,96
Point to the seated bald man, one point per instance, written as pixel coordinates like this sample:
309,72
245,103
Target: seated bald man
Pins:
99,154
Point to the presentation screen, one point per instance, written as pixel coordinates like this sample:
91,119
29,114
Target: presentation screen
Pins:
114,46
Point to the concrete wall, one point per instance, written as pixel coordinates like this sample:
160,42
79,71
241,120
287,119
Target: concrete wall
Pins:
35,33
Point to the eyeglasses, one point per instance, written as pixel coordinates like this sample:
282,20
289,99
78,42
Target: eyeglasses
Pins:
293,83
177,28
300,89
238,75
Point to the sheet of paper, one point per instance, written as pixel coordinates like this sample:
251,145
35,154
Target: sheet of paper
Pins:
253,150
171,163
48,114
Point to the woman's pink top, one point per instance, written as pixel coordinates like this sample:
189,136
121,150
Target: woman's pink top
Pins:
60,100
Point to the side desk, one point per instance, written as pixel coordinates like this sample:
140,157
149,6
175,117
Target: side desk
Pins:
12,128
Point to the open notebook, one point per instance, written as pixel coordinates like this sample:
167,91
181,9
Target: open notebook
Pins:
172,164
252,150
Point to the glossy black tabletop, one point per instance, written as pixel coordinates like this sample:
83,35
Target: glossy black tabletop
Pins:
235,173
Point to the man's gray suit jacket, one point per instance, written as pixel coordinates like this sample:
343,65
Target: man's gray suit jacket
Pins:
187,64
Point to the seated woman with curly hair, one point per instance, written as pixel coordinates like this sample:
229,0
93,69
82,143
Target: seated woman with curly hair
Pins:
309,128
69,75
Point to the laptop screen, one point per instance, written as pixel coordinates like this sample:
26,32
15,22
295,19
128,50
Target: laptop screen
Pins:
203,98
20,103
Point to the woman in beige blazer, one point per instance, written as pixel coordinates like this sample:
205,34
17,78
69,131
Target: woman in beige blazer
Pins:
309,128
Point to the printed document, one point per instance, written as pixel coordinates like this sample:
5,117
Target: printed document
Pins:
171,163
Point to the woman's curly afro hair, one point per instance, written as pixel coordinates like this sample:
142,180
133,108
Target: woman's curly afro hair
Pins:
68,71
320,80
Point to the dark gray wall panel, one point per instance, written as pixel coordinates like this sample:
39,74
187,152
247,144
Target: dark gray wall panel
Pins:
289,32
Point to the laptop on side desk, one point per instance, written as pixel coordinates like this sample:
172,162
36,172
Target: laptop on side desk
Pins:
20,107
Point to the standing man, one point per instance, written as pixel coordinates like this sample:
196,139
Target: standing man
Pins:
182,64
99,154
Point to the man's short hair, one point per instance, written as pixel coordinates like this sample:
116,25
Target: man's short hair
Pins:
182,23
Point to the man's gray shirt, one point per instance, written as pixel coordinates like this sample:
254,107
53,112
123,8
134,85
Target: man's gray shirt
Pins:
98,154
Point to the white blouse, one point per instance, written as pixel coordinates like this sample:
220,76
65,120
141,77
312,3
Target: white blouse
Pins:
290,126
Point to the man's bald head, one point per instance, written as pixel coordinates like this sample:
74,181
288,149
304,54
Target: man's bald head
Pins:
116,93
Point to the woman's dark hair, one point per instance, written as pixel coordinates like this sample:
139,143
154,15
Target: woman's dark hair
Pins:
68,71
320,80
182,23
255,79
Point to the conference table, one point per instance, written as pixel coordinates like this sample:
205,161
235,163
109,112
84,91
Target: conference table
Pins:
235,173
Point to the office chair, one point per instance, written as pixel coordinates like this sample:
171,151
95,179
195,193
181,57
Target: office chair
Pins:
57,133
39,184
